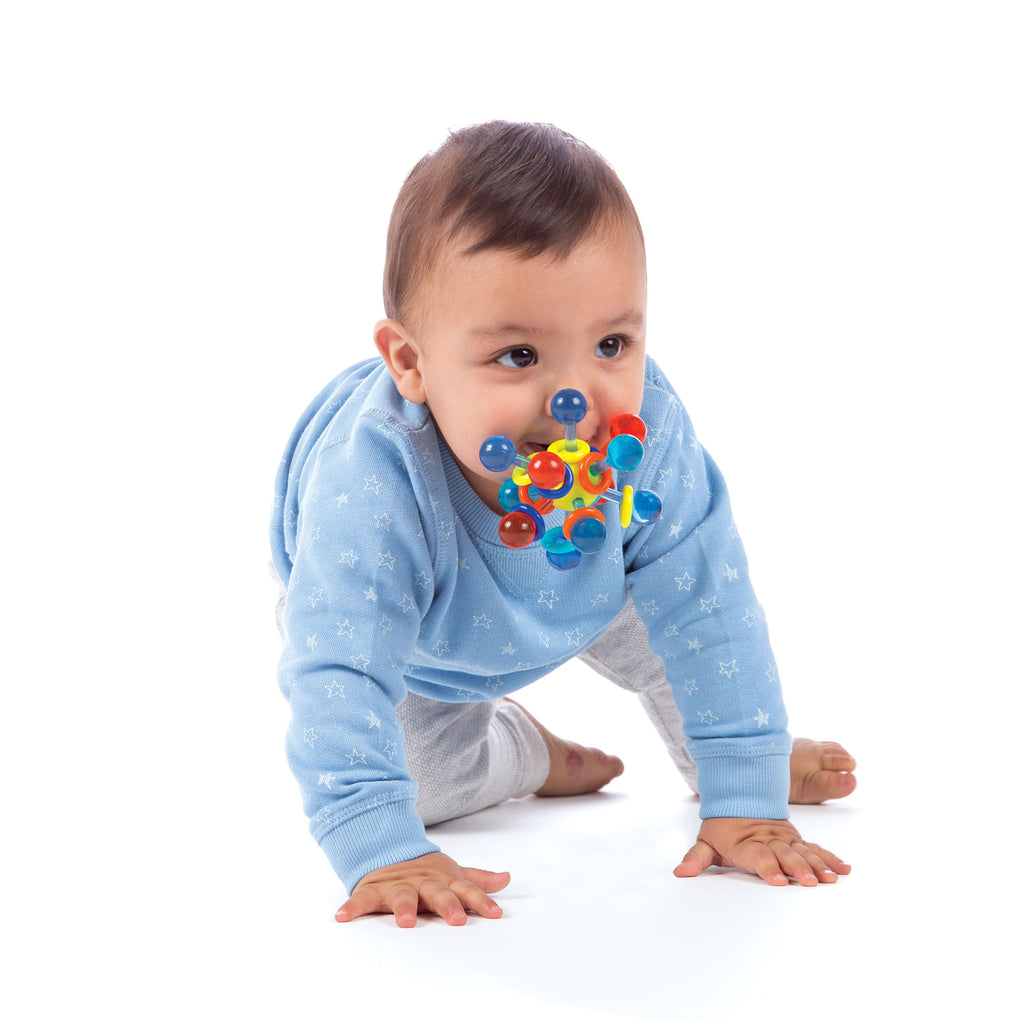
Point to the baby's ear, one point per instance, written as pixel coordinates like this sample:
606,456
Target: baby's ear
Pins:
402,358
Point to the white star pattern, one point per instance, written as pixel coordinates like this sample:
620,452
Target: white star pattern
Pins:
346,629
386,560
335,689
727,668
706,717
548,597
685,581
762,718
348,558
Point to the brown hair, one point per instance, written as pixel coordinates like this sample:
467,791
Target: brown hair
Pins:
523,188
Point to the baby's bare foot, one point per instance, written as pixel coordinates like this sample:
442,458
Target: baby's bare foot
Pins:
575,769
819,771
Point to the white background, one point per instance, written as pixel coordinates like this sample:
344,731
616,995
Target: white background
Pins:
194,201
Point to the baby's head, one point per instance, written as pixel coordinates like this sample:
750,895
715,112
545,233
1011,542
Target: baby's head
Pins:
515,267
523,189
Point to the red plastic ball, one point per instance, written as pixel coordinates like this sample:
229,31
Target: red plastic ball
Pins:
517,530
546,470
627,424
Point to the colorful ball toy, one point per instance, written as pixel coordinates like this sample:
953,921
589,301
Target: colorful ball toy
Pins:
571,476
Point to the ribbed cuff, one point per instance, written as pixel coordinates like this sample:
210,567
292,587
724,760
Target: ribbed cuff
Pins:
382,835
744,787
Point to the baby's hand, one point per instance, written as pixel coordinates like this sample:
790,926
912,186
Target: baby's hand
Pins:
432,882
771,849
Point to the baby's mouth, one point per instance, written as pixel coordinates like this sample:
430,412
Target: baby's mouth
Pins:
532,447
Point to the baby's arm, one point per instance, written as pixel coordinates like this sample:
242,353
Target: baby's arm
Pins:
434,883
771,849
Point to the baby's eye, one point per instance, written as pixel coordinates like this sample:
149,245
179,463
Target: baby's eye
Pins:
610,347
518,358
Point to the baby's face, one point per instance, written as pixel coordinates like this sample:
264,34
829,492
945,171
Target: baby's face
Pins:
498,335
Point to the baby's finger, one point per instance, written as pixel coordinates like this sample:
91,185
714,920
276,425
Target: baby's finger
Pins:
794,863
487,881
404,901
759,860
475,900
821,870
436,896
834,863
367,900
698,858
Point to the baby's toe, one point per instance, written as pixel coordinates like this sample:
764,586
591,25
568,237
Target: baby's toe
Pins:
820,771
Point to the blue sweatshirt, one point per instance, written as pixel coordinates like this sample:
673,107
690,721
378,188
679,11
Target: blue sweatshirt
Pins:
397,581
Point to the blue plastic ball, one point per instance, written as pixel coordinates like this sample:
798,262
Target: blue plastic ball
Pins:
508,495
646,507
625,452
588,535
497,454
566,561
568,406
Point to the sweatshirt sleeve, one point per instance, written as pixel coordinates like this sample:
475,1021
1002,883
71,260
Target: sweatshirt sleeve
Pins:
359,586
690,582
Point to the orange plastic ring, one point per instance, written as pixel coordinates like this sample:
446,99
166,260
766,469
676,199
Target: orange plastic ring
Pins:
583,476
542,505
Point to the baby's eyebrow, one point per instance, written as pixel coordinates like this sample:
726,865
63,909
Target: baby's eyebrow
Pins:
630,318
627,319
506,330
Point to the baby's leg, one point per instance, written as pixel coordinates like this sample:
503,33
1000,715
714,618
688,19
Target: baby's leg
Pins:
818,770
465,757
622,655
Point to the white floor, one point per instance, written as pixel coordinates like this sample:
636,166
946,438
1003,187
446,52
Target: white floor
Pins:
185,896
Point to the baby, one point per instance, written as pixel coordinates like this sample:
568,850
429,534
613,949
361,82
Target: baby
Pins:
515,267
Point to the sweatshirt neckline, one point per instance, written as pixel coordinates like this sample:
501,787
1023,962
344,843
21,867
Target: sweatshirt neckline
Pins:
474,514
